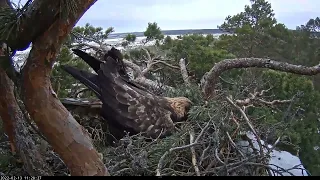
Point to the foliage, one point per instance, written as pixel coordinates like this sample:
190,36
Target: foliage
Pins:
88,34
251,29
153,32
130,38
302,122
199,50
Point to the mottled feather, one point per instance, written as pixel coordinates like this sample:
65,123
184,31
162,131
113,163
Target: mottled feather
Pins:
125,105
137,110
88,79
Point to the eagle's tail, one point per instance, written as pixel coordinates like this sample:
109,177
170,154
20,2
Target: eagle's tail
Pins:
88,79
93,62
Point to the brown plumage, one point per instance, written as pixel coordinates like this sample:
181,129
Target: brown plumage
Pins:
126,105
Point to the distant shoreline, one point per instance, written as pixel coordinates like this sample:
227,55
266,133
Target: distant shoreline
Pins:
170,32
178,32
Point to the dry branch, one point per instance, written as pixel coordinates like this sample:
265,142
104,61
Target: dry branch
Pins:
194,155
152,61
212,76
255,99
184,71
248,123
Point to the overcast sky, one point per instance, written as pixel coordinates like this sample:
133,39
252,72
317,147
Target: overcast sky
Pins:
134,15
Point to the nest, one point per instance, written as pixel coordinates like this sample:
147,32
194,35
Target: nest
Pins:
206,145
201,146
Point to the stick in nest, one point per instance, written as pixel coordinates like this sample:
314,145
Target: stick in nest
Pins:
160,163
193,152
248,123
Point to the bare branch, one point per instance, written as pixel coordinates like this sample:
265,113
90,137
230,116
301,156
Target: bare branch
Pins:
193,152
151,61
147,53
212,76
248,123
165,63
255,100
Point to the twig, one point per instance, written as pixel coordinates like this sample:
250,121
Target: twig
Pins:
268,167
238,125
202,157
230,166
248,123
193,152
234,145
160,163
274,145
217,156
255,98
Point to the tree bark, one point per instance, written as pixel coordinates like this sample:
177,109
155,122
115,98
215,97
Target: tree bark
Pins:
212,77
68,138
16,128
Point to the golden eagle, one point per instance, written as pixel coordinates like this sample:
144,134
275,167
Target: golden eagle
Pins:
127,106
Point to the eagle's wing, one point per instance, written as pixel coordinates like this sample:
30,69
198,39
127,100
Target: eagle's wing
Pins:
131,108
93,62
115,54
88,79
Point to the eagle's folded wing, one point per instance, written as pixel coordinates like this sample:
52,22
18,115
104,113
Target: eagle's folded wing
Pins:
130,107
88,79
93,62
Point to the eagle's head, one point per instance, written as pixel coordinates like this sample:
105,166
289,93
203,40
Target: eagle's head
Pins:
181,106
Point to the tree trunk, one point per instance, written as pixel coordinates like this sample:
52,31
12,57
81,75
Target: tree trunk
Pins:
68,138
16,128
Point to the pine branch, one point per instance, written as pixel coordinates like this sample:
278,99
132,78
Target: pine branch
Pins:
212,76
